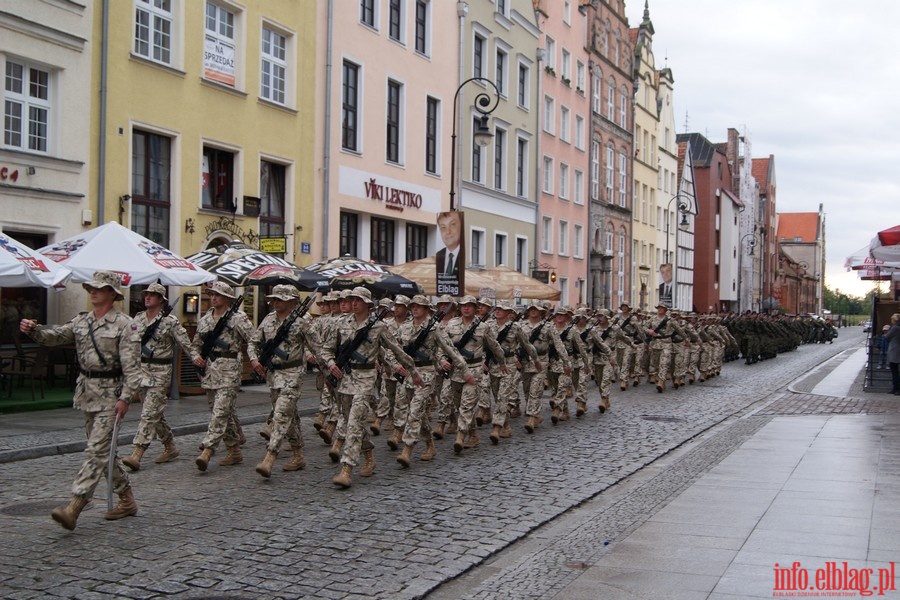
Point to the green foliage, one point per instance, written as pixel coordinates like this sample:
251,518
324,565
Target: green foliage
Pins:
840,303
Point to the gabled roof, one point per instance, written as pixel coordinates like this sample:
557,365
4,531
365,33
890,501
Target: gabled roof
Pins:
798,227
759,168
702,150
734,199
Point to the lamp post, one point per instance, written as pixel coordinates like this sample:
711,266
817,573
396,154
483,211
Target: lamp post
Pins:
686,205
754,239
801,284
485,105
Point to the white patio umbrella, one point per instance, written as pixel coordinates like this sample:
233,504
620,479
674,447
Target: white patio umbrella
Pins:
137,260
20,266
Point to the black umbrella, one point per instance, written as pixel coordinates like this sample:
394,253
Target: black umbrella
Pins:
241,265
347,272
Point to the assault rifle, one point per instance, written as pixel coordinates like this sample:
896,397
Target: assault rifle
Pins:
271,348
563,336
152,327
502,335
412,348
346,352
467,337
211,339
532,338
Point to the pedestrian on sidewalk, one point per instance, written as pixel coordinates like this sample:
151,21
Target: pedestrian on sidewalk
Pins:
158,332
108,351
882,344
893,338
221,376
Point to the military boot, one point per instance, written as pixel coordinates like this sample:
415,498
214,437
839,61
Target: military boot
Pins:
375,427
451,428
438,432
297,461
266,432
472,439
67,515
170,452
319,422
265,467
430,450
506,431
406,455
127,507
515,412
554,415
368,468
495,435
344,479
458,443
623,385
604,404
395,439
234,457
531,424
133,462
336,449
661,385
580,408
327,432
202,461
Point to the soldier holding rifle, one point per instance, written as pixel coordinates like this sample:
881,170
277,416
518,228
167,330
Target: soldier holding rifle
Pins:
107,347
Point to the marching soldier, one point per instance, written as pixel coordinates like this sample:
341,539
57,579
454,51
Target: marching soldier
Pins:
288,334
542,336
660,330
600,340
163,333
562,365
389,388
108,351
222,330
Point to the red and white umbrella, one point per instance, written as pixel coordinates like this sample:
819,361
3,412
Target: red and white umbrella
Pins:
137,260
20,266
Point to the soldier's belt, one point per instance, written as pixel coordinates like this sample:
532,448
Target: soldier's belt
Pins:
508,353
288,365
475,361
114,374
215,355
544,353
424,363
156,361
364,367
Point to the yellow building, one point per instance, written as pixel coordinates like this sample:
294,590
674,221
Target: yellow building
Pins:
203,129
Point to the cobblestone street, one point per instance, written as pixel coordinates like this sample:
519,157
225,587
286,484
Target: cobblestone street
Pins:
228,533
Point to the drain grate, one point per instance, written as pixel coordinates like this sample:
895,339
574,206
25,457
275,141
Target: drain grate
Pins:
663,418
37,508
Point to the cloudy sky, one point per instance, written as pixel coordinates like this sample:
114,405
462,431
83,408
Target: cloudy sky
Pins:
812,82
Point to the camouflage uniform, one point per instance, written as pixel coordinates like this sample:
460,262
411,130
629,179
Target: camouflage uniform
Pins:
560,381
661,330
542,335
599,339
624,347
516,350
222,378
390,391
108,351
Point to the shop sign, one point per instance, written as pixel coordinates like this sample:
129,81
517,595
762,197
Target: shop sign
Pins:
393,198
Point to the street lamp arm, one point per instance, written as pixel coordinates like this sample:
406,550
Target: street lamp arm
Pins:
485,104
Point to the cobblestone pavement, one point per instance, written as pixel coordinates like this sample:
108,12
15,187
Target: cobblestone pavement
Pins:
228,533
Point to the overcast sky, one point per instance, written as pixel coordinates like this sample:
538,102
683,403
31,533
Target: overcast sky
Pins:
813,83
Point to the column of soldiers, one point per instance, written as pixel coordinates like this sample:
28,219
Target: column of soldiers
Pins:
385,366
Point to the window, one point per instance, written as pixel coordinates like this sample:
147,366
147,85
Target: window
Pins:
563,238
623,108
610,98
153,30
547,186
219,51
392,134
382,250
623,172
620,261
350,129
578,241
432,127
563,291
550,52
546,234
151,167
367,12
609,240
564,126
502,64
349,234
578,187
218,179
477,247
478,156
521,167
579,132
610,172
595,170
416,241
274,66
524,85
395,20
567,12
499,159
423,27
566,65
549,115
564,181
579,75
521,254
499,249
502,7
478,56
596,89
272,177
26,113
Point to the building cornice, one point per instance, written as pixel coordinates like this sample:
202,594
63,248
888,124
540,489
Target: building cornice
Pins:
41,32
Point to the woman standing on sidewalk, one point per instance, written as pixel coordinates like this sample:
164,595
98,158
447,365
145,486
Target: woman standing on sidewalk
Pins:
893,353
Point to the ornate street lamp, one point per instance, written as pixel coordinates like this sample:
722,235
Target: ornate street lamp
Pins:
485,104
686,205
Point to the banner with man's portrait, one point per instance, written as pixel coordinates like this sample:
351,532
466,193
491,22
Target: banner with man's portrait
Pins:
665,284
450,259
